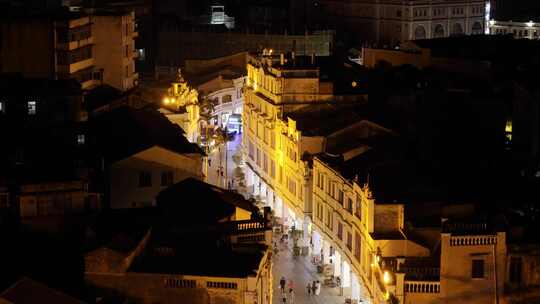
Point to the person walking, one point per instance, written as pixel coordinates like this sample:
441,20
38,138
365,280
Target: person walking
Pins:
282,284
291,285
308,288
291,296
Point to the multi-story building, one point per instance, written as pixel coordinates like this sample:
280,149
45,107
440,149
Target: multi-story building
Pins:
66,46
279,129
114,35
393,21
519,30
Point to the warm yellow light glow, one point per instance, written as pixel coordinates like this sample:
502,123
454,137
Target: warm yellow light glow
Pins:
166,100
508,127
270,52
372,264
173,100
387,295
354,84
255,86
378,258
386,277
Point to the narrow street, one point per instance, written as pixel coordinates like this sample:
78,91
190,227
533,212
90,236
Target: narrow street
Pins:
221,164
301,271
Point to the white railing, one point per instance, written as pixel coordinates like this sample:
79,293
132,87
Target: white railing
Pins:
422,287
473,240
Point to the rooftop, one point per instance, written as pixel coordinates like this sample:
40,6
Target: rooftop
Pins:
325,119
172,257
211,204
125,131
28,291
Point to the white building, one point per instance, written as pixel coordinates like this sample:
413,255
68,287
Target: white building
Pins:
520,30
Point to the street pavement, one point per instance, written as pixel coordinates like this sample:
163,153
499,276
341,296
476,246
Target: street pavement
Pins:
301,271
222,160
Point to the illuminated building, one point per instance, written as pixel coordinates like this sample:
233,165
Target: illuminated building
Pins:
519,30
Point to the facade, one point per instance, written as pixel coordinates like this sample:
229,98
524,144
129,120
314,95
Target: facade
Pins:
227,97
56,199
289,111
67,47
519,30
396,21
114,50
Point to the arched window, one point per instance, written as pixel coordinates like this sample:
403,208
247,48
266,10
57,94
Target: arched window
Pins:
420,32
477,28
457,29
438,32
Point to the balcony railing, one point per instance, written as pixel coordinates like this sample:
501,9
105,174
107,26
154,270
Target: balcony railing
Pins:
422,287
473,240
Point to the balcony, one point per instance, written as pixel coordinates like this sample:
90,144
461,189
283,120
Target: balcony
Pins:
72,45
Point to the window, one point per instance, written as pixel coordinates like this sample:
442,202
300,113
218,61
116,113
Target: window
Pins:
272,169
328,218
358,209
272,140
349,205
265,163
280,175
357,246
167,178
349,240
477,269
127,29
127,50
398,13
145,179
226,99
515,270
32,108
340,231
340,197
127,70
292,186
258,156
2,107
80,139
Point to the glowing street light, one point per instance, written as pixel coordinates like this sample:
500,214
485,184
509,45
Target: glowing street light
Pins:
386,277
530,24
166,100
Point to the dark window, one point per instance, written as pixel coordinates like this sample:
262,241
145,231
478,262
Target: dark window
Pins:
349,240
145,179
349,205
477,269
398,13
357,246
515,270
167,178
340,231
340,197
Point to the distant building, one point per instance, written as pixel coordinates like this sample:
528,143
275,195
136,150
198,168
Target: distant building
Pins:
389,21
114,35
65,45
154,264
143,153
516,29
40,101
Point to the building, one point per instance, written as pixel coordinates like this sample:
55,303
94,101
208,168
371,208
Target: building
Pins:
285,105
114,36
40,101
66,46
516,29
142,153
157,266
394,21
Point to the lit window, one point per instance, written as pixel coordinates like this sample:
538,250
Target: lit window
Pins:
2,109
32,108
80,139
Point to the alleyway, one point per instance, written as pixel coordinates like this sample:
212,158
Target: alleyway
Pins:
301,271
221,160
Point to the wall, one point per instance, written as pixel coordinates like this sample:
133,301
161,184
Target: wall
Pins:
389,218
124,175
371,57
18,48
176,47
456,269
110,55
